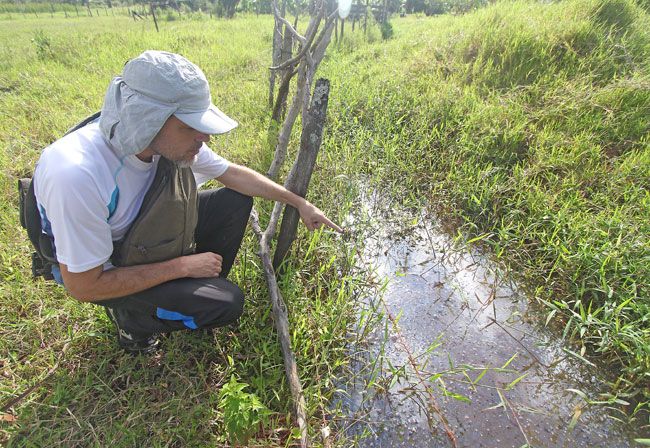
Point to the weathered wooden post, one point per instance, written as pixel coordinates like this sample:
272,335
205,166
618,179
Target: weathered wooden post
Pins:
277,48
285,55
336,30
298,180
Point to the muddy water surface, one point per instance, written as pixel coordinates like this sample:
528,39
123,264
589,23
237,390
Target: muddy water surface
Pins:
457,354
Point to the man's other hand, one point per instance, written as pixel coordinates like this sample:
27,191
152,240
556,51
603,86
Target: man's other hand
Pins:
206,264
314,218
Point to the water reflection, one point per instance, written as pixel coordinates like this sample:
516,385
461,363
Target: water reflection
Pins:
457,357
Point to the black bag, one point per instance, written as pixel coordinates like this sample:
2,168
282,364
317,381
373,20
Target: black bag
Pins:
44,256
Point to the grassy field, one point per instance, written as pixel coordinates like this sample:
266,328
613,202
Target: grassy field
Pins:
80,390
525,125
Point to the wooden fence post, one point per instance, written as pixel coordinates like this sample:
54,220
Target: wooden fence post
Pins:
365,16
336,29
298,181
153,13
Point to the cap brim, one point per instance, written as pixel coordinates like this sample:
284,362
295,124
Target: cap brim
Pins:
211,121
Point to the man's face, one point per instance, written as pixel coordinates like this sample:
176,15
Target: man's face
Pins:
178,142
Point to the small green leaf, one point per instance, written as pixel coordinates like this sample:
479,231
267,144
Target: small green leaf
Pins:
513,383
509,361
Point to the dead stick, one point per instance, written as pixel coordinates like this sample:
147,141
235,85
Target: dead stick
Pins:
282,327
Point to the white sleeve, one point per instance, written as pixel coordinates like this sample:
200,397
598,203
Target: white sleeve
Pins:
78,216
208,165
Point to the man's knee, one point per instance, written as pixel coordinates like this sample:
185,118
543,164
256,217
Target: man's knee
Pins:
236,305
244,202
227,308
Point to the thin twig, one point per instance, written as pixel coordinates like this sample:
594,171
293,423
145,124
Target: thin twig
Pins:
514,414
289,27
433,404
494,321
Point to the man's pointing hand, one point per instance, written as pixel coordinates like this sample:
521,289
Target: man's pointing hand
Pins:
314,218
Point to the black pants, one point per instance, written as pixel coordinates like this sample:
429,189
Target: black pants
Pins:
190,302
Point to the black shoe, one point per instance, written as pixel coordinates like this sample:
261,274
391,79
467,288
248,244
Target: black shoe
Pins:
131,343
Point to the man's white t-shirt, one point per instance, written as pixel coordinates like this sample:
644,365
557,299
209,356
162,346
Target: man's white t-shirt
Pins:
88,195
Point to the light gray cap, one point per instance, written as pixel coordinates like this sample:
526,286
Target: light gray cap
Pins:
152,87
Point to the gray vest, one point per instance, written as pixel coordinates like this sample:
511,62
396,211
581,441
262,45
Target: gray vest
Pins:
165,225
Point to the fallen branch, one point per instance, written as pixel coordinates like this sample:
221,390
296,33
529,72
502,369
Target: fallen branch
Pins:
282,327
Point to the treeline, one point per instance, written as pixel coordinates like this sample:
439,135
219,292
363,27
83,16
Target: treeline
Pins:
433,7
228,8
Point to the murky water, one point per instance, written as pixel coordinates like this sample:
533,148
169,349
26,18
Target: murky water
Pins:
457,354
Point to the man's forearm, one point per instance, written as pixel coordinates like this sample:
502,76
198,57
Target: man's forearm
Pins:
251,183
97,284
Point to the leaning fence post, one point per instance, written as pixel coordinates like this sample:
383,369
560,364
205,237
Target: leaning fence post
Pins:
153,13
298,180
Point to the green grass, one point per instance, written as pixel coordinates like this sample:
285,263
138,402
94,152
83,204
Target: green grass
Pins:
80,390
524,124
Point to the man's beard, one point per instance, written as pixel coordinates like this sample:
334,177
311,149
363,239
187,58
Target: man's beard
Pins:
186,163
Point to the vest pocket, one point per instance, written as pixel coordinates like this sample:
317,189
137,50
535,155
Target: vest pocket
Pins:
153,253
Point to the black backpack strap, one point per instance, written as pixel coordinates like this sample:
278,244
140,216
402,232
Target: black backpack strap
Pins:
83,122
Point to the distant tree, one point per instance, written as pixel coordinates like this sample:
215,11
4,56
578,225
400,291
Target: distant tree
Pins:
228,8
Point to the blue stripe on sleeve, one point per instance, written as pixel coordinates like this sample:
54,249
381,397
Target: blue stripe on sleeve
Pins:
113,204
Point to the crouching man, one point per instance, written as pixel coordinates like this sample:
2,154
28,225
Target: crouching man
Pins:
119,206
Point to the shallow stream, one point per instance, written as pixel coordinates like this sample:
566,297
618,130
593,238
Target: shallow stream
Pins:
456,353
